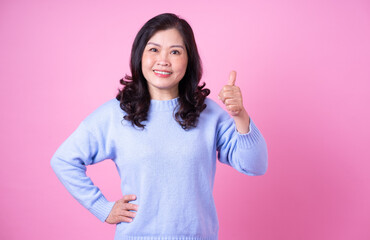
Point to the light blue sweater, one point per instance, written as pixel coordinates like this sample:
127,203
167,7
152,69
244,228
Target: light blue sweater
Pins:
170,170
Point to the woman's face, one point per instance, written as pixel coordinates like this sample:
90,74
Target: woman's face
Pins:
164,64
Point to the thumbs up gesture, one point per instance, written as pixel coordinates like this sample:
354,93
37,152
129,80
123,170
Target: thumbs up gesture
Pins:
231,96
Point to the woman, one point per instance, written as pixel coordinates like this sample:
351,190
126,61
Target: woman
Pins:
163,134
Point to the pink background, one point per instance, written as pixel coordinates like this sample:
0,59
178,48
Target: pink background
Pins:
303,67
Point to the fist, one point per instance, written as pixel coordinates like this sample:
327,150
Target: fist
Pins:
121,210
231,96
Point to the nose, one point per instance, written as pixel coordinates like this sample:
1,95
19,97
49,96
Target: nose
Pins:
163,60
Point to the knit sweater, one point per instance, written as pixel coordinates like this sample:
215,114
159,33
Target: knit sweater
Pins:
169,169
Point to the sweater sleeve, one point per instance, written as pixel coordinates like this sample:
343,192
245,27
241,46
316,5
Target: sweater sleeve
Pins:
69,163
247,153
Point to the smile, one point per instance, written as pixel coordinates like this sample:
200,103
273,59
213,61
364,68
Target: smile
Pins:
162,72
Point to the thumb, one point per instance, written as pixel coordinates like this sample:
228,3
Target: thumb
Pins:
232,78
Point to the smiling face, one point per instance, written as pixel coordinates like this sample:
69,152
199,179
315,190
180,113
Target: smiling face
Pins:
164,64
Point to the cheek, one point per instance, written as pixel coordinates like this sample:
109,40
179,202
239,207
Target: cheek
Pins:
146,61
182,65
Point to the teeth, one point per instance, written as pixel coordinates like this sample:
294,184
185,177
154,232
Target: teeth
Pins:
164,73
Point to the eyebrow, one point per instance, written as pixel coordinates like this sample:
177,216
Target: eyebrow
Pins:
173,46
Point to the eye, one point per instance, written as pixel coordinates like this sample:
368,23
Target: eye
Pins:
175,52
153,50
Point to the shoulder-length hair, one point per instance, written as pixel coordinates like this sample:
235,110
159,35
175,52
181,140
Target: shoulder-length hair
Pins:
135,98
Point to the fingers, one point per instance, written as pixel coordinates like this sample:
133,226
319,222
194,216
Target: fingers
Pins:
232,78
233,109
128,198
119,218
122,210
130,206
125,213
128,214
229,92
124,203
232,102
124,219
231,96
127,208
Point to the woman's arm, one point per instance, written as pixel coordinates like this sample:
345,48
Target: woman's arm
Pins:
240,144
69,164
247,153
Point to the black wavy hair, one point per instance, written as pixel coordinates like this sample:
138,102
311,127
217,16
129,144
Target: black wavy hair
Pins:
135,98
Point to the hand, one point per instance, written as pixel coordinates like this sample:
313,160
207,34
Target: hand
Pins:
121,210
231,96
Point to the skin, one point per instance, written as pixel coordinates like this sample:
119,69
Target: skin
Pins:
121,210
164,52
231,96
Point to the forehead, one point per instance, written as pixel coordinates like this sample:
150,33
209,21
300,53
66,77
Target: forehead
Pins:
167,37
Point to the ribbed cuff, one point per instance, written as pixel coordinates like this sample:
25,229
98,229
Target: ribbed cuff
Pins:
248,140
101,208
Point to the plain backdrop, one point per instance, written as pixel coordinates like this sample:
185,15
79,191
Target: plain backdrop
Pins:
303,67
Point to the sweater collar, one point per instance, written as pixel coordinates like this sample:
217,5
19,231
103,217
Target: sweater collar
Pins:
163,105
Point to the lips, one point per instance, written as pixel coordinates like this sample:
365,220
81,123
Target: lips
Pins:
162,73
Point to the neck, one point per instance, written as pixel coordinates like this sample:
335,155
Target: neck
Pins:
164,95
